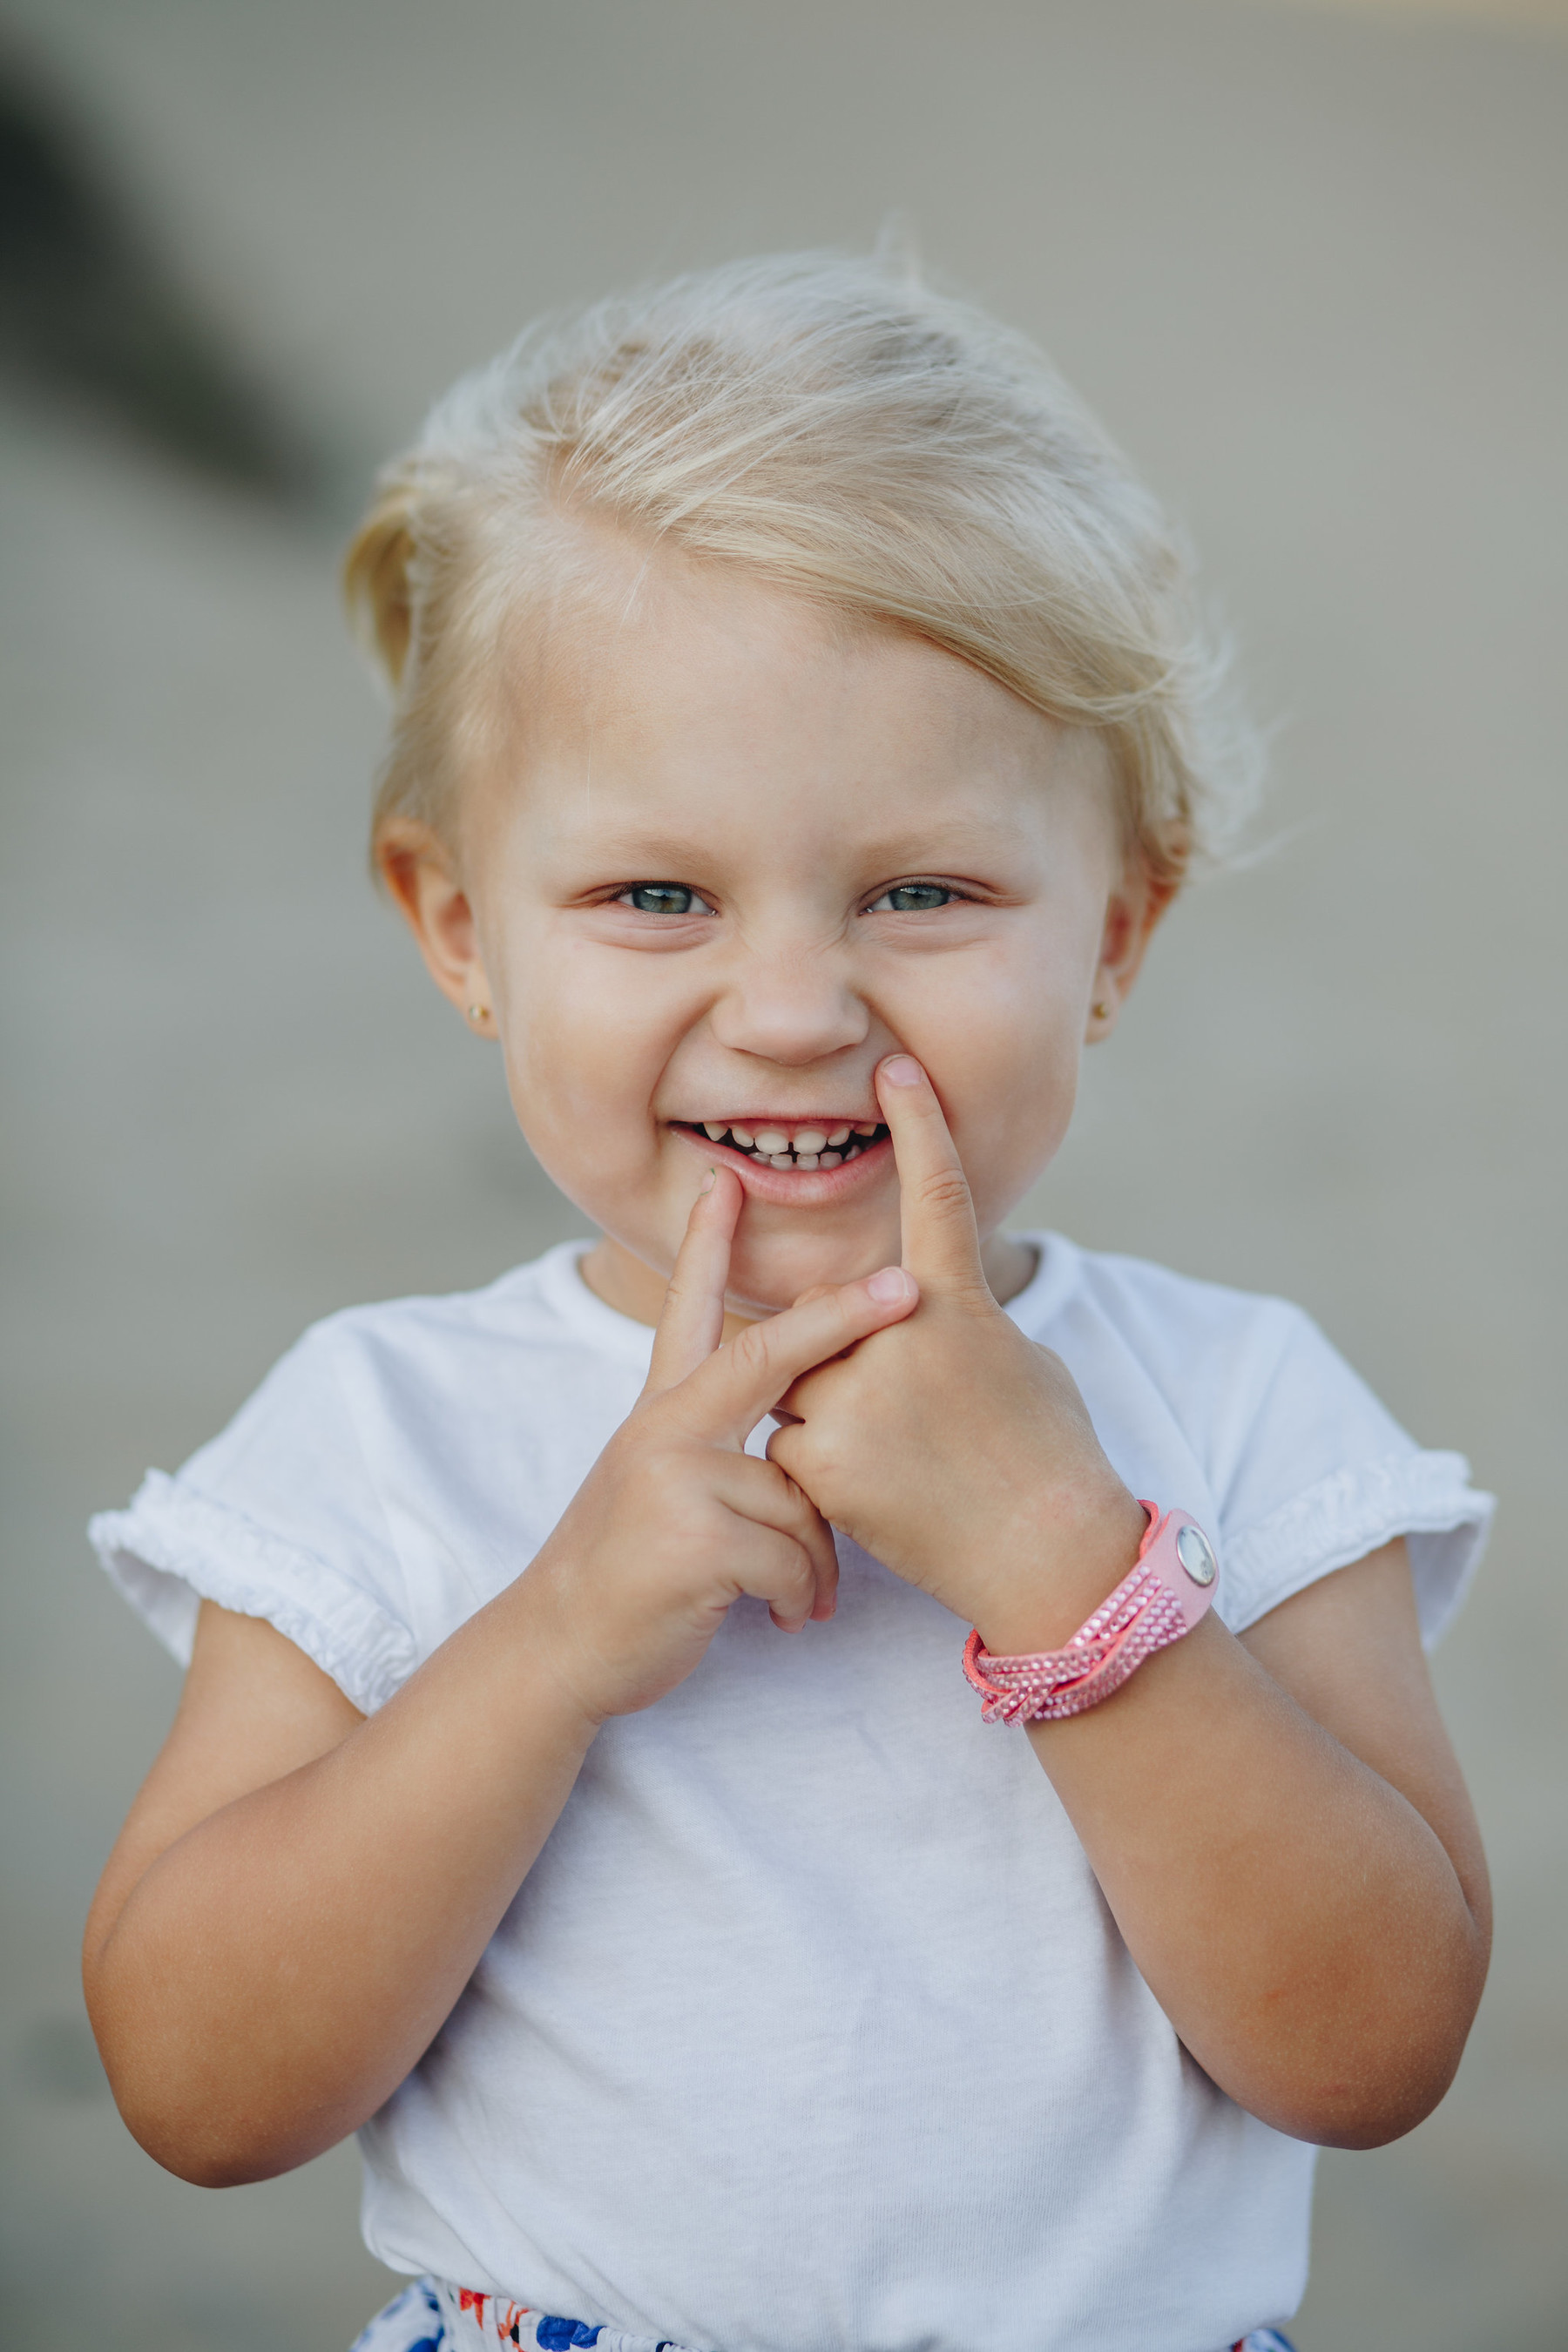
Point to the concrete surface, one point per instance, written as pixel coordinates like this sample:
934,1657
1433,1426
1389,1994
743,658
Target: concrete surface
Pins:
1309,266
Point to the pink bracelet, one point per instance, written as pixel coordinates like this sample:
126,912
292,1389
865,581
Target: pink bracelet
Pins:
1162,1597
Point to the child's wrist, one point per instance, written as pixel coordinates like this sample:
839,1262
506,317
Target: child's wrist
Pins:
559,1649
1059,1567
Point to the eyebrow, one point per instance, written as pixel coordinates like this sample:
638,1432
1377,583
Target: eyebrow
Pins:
940,838
934,842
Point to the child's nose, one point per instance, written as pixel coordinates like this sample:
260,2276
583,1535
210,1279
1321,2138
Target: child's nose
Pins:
789,1007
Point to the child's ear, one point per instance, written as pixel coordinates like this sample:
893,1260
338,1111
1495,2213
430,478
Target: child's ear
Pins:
422,880
1131,913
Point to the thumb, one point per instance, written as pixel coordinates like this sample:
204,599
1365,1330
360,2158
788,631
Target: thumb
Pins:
940,1239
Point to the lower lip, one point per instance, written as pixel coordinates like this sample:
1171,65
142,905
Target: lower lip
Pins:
804,1188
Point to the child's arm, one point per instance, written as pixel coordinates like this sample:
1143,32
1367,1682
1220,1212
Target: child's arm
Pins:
301,1894
1277,1823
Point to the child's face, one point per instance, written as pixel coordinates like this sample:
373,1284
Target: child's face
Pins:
735,853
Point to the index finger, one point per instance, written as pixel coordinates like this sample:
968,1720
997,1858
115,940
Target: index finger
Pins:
723,1400
936,1214
692,1320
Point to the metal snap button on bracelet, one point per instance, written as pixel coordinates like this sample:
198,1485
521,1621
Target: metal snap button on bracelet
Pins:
1195,1553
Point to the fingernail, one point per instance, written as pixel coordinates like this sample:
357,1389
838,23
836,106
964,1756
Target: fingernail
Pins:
708,1182
902,1070
890,1286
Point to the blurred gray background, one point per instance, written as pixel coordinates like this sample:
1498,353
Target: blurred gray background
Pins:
1307,263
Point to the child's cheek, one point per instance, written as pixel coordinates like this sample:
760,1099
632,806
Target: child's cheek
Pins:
1006,1063
581,1068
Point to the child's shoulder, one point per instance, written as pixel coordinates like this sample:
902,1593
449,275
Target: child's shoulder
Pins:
1301,1466
544,1304
1245,1373
421,1369
1168,1319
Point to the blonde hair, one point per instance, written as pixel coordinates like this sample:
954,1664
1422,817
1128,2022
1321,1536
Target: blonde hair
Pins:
840,430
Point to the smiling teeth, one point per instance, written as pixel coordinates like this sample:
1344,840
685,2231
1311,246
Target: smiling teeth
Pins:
813,1148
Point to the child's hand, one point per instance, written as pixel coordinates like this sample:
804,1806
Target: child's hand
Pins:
954,1449
675,1520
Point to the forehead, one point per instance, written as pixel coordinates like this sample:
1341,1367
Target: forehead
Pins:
660,692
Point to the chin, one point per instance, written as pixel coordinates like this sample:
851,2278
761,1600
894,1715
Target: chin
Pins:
767,1276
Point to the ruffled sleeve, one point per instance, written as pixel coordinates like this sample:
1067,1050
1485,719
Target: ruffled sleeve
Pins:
277,1518
1322,1474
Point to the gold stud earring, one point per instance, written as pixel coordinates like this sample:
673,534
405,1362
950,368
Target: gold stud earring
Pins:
478,1012
1101,1008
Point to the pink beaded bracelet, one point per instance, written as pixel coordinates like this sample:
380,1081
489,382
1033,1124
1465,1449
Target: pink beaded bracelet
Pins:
1169,1587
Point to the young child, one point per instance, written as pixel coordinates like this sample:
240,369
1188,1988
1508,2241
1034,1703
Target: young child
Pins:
578,1790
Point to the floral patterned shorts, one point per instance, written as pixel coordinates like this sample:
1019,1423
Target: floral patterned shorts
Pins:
431,2316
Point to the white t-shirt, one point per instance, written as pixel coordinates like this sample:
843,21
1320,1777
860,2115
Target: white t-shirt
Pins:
810,2030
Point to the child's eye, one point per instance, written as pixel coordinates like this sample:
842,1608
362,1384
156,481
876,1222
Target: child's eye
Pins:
664,898
912,899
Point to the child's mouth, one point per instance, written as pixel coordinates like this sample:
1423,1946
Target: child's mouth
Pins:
808,1145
